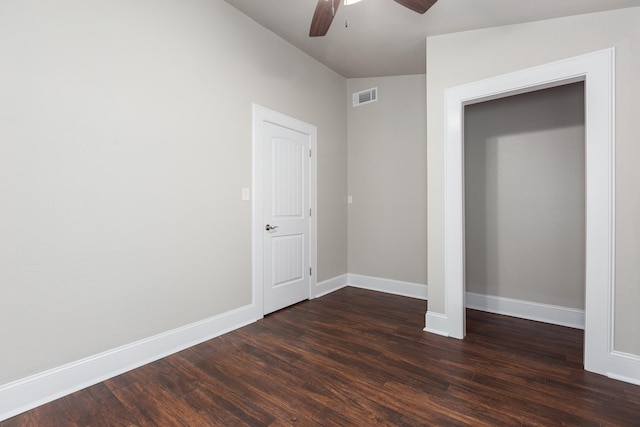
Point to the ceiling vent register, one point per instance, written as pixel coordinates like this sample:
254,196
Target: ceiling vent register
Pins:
365,97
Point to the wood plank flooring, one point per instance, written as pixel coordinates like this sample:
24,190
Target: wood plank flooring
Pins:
359,358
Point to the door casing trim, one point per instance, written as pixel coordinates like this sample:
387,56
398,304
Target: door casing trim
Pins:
597,70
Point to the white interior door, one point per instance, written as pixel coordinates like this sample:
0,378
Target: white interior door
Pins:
286,212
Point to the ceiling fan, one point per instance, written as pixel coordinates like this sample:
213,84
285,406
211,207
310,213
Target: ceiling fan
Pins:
326,10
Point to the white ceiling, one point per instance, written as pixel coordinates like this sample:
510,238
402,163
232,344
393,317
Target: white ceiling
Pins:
384,38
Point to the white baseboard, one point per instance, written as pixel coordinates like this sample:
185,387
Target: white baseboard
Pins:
436,323
327,286
624,367
620,366
553,314
396,287
27,393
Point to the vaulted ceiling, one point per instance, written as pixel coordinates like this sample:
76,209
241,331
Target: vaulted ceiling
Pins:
382,38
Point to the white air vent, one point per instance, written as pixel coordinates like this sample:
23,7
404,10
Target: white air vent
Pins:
365,97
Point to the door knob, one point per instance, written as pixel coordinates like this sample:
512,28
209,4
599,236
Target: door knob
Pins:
269,228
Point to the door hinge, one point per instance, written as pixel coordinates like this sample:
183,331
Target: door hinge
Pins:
309,212
309,271
309,152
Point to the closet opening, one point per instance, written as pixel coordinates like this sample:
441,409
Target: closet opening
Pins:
524,202
596,72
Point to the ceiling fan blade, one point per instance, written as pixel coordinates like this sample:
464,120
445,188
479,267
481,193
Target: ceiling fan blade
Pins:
420,6
322,17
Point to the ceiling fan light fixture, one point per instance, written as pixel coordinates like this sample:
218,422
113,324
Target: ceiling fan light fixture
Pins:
326,11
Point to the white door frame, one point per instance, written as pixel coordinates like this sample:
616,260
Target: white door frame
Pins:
261,115
597,71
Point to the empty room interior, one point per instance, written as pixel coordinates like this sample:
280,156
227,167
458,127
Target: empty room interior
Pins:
402,218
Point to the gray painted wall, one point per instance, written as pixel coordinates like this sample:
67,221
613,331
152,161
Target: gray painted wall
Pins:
525,197
125,141
387,179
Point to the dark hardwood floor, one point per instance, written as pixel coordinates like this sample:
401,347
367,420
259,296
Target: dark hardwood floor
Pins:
359,358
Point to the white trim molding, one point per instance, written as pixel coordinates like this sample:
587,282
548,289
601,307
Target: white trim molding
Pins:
556,315
389,286
27,393
624,367
331,285
597,70
436,323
